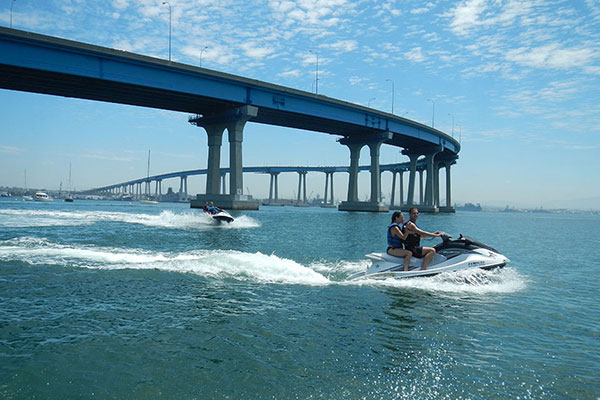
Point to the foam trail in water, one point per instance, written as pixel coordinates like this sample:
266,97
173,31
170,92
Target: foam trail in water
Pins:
166,219
214,263
476,281
505,280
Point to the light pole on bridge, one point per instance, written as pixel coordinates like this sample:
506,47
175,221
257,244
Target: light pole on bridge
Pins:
316,71
202,51
393,91
167,3
369,103
452,115
11,9
433,114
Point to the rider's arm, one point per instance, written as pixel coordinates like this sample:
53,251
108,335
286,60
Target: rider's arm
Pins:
397,232
413,228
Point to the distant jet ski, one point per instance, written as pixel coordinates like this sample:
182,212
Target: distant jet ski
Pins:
217,214
221,216
451,255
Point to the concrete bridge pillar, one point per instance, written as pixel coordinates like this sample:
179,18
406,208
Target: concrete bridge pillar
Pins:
353,171
421,187
185,187
215,138
436,183
401,184
429,185
355,144
273,185
223,187
413,156
446,163
448,188
180,193
328,177
234,121
158,189
393,194
401,188
374,147
301,186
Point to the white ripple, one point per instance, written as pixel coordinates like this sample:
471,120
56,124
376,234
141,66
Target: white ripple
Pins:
166,219
211,263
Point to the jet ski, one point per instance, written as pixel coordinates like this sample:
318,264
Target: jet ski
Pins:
221,216
451,255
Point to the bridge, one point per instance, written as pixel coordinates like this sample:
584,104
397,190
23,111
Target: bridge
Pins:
218,102
141,188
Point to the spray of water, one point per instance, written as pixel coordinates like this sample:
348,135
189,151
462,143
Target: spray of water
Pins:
166,219
256,267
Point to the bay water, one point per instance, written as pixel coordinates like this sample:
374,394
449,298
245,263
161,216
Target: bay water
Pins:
118,300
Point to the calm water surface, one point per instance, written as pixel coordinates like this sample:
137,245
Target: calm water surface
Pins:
131,301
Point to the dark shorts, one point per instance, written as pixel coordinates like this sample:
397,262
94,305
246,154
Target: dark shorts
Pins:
417,252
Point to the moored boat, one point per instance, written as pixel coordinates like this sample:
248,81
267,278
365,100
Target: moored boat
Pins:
42,196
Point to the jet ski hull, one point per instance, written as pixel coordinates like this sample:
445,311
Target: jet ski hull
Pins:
222,216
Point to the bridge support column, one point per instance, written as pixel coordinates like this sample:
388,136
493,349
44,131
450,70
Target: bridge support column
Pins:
215,138
393,194
274,188
426,203
448,207
223,184
421,188
302,188
234,121
328,178
429,184
375,172
393,205
158,189
355,144
448,190
401,189
413,156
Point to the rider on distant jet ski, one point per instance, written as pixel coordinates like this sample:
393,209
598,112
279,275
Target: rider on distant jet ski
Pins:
210,208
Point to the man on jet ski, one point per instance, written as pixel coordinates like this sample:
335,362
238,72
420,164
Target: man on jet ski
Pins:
413,240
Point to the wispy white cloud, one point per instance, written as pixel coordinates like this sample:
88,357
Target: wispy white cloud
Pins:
415,54
342,46
254,50
552,56
100,156
10,150
466,15
293,73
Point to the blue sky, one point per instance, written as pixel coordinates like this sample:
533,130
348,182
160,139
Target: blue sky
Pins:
520,80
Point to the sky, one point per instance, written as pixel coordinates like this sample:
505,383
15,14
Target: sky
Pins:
517,82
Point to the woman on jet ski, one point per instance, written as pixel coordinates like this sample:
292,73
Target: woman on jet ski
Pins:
396,237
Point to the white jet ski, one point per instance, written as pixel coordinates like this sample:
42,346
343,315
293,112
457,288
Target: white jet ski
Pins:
221,216
451,255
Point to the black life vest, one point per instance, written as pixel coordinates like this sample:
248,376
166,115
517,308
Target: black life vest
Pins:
412,241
